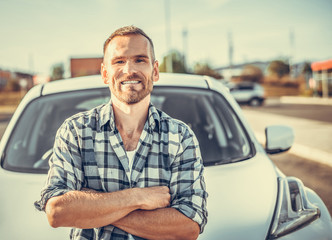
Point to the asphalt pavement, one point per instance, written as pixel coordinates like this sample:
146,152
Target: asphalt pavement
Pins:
312,137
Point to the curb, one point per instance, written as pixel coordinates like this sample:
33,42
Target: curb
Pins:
306,100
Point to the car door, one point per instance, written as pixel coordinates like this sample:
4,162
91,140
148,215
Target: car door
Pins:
24,161
18,217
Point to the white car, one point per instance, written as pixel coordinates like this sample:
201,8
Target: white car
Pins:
250,93
249,198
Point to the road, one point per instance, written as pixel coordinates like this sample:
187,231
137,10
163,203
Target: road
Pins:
322,113
312,125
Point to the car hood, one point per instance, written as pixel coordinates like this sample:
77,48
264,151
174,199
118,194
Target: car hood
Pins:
242,198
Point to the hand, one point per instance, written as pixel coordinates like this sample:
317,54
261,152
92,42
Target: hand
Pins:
154,197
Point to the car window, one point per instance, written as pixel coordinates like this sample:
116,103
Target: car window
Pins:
33,137
245,87
219,132
221,137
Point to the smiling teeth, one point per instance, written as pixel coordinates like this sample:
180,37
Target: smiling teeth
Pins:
130,82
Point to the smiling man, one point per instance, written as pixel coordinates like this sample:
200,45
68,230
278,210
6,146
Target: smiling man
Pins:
126,170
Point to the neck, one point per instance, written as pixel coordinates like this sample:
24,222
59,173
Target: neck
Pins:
130,117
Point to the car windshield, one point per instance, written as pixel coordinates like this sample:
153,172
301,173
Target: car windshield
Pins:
219,132
221,137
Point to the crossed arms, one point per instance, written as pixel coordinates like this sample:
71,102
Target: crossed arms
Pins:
140,211
146,212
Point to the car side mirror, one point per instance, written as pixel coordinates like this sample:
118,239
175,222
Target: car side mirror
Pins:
279,138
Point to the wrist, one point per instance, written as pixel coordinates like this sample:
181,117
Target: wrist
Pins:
137,197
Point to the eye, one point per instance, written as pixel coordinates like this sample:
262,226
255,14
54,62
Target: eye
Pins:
140,60
117,61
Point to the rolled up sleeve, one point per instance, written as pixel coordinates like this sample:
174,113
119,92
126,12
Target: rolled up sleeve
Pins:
187,188
65,173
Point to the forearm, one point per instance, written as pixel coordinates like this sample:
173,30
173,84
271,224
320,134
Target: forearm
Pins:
165,223
87,209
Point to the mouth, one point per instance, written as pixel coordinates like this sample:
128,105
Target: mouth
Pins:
130,82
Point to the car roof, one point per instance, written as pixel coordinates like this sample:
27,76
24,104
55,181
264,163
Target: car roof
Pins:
95,81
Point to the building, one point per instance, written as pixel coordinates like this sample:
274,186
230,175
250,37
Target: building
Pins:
5,77
85,66
235,70
322,77
16,80
25,80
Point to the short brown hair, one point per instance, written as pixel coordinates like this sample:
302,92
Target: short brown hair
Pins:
127,30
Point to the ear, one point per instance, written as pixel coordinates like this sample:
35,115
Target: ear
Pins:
104,74
155,71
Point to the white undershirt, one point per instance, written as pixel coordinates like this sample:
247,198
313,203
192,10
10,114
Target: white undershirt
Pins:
131,155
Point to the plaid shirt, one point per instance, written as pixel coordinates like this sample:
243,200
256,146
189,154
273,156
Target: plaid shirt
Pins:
89,153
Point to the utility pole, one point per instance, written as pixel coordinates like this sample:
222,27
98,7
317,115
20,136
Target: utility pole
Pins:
230,52
185,47
169,62
291,52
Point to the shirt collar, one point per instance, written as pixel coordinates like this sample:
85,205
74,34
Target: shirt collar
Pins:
154,118
106,114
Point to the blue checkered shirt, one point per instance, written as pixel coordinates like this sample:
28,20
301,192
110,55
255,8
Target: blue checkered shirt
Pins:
89,153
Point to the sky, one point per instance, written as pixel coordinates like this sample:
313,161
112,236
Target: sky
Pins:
36,34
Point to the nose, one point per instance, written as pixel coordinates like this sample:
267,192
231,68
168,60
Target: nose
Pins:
129,68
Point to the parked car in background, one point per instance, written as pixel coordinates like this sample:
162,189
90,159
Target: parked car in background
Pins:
247,93
249,197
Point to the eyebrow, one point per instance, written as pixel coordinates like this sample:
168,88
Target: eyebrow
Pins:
117,58
136,56
141,56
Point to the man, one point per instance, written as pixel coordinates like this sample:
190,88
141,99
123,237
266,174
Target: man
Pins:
125,170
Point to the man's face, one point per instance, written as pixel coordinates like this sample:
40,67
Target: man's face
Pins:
128,68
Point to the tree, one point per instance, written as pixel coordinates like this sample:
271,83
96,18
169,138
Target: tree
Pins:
205,69
252,73
307,68
57,71
177,62
307,72
278,68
